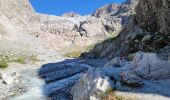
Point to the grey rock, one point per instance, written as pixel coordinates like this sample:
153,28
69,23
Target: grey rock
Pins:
91,82
60,89
106,10
149,65
61,74
153,15
131,79
121,87
115,62
71,14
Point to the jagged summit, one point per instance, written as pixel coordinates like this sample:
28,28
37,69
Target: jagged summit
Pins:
106,10
71,14
131,2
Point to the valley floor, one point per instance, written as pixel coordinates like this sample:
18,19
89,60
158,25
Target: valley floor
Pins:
53,75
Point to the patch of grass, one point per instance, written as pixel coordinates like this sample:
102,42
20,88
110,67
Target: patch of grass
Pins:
119,98
114,34
110,90
75,54
6,58
3,64
110,95
21,59
88,48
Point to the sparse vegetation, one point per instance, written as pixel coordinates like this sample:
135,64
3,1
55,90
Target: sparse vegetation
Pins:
110,90
114,34
110,95
76,54
21,59
3,64
6,58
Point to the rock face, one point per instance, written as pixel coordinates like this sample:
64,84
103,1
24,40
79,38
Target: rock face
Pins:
93,82
131,1
131,75
149,65
106,10
129,68
136,36
62,32
70,14
153,15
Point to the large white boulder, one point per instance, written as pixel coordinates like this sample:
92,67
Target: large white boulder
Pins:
90,84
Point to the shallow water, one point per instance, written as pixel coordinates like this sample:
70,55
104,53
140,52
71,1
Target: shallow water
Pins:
33,84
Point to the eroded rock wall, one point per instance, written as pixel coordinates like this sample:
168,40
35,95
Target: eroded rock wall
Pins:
153,15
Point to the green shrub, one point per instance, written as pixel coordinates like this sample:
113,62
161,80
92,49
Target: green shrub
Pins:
21,59
3,64
88,48
119,98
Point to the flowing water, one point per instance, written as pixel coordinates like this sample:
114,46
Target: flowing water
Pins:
34,86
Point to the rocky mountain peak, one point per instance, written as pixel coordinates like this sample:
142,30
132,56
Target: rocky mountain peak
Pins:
131,2
106,10
71,14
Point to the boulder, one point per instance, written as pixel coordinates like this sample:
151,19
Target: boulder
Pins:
7,79
90,84
131,79
115,62
120,87
150,66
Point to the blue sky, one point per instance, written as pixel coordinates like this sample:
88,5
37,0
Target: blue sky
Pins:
58,7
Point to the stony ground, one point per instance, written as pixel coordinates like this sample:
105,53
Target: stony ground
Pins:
54,77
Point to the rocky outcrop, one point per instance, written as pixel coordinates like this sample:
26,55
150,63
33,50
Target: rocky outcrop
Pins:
136,36
131,75
129,69
106,10
153,15
60,77
71,14
131,2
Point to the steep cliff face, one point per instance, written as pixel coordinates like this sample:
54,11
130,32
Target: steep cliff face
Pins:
153,15
106,10
21,9
67,31
13,23
147,31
